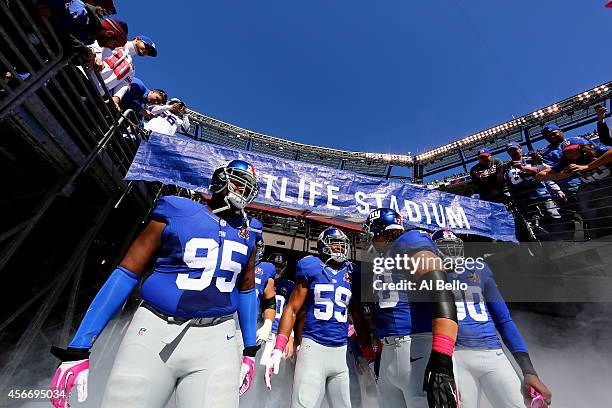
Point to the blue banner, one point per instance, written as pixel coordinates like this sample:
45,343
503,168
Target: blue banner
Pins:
292,184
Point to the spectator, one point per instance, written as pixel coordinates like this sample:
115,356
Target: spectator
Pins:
602,128
484,176
117,67
168,118
531,196
138,95
79,25
592,164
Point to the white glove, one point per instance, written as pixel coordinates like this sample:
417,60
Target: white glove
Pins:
272,365
264,332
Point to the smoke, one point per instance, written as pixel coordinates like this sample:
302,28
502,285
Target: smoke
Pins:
571,355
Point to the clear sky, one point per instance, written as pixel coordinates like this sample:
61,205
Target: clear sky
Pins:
391,76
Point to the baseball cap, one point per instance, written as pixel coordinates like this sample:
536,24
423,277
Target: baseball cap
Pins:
513,145
549,128
484,152
573,143
118,28
150,44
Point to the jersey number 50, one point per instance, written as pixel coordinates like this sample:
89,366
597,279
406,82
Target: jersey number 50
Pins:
209,264
342,297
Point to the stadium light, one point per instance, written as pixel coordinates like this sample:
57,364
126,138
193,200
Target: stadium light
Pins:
537,117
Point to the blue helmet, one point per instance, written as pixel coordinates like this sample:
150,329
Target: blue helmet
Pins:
333,244
381,220
240,180
449,244
280,262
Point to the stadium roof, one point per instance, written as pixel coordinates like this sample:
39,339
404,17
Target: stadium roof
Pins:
216,131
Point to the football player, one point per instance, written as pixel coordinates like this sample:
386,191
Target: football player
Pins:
182,337
283,287
323,287
480,362
413,332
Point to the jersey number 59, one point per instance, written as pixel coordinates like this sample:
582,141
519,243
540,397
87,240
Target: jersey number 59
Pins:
209,264
342,297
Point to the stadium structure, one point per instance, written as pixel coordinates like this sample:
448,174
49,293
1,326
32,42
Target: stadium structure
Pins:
69,215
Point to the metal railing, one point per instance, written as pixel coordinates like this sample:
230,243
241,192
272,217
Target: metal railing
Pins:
30,52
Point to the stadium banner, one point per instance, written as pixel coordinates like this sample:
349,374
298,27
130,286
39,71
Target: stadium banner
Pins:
291,184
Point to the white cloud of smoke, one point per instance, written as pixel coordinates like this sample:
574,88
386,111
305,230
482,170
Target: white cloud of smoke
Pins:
571,355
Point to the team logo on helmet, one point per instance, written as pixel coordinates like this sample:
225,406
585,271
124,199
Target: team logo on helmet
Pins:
381,220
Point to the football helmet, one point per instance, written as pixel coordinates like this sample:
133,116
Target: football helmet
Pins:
333,244
381,220
240,180
448,243
280,262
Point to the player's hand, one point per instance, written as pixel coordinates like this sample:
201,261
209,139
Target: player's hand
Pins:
264,332
74,369
601,113
577,167
439,383
288,353
247,370
530,381
272,366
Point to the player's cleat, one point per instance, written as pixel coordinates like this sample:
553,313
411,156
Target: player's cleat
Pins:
537,399
74,369
246,373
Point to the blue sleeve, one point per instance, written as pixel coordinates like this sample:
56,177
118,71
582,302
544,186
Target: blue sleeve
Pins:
257,228
415,241
247,316
104,306
172,206
301,269
501,317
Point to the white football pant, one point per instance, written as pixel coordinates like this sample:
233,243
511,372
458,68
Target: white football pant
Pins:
204,367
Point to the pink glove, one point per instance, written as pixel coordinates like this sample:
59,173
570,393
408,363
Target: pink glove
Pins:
69,373
246,373
537,400
351,330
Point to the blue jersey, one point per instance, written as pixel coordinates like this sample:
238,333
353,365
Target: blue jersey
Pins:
200,260
589,176
523,186
481,311
263,272
394,315
551,155
329,294
283,289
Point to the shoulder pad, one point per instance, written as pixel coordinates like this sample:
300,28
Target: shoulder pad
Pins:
174,206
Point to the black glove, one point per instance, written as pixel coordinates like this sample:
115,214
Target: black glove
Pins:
439,383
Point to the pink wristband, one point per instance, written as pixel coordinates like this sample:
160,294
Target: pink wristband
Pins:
281,342
443,344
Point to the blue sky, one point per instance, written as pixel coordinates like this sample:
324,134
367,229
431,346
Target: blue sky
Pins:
391,76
